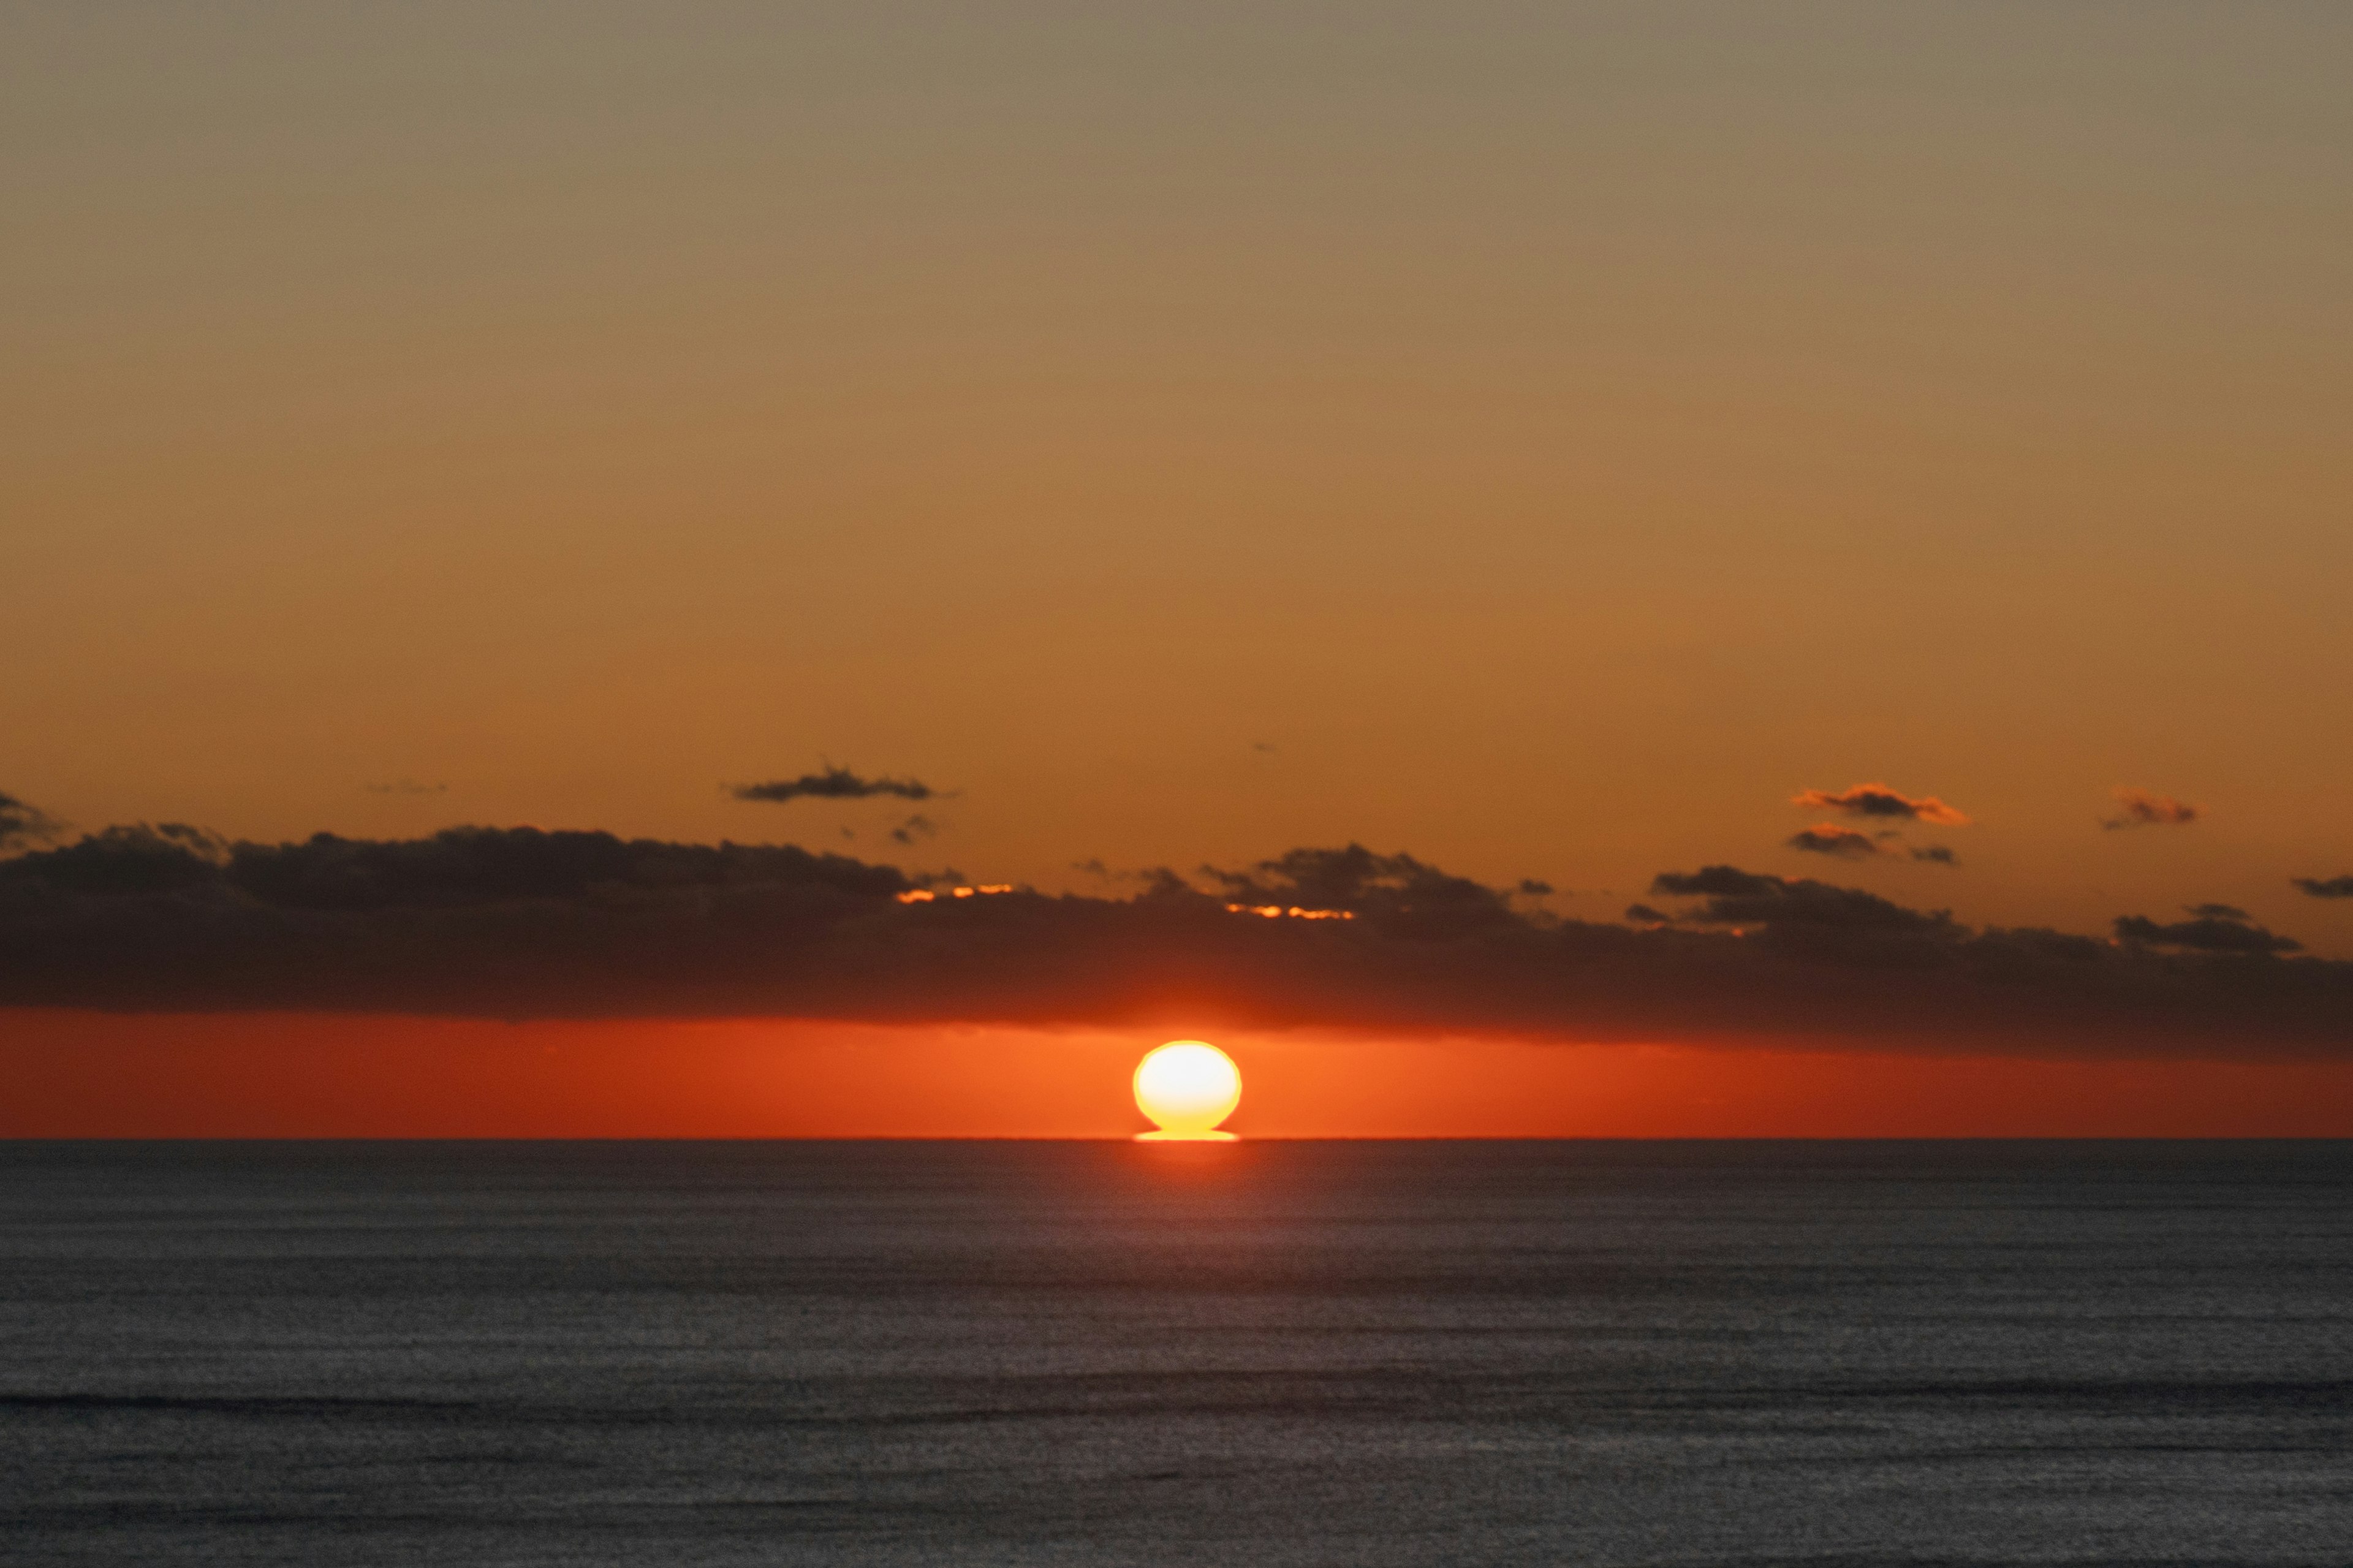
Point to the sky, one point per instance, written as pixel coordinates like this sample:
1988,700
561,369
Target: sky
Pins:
1542,441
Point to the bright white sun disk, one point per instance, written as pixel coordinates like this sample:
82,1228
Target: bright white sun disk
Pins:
1188,1087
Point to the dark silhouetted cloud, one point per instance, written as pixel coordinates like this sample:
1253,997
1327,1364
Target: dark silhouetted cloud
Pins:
2210,928
833,784
1829,838
1737,898
2145,808
520,923
1879,800
22,823
1406,895
1535,888
914,827
2331,888
1937,854
142,858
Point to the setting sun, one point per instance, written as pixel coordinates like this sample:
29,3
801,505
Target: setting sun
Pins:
1188,1087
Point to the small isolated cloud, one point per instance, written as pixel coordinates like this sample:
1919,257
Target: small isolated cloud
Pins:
1829,838
1935,854
1535,887
2210,928
2146,808
833,784
1881,801
914,827
2330,888
22,823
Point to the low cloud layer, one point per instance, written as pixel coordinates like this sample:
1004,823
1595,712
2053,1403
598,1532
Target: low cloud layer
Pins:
516,923
833,784
1878,800
2146,808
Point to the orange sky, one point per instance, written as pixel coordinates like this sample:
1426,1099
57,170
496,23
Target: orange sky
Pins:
1560,433
1538,439
84,1075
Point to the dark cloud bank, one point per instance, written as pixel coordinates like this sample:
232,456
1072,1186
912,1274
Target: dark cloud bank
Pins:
522,923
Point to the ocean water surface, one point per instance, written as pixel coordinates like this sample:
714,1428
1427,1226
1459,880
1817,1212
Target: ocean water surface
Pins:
1237,1354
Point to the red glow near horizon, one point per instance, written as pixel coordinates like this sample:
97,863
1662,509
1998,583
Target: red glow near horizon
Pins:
84,1075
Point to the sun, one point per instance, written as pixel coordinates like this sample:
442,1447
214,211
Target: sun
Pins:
1188,1087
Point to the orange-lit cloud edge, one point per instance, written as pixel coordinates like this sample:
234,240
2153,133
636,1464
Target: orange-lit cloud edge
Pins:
72,1073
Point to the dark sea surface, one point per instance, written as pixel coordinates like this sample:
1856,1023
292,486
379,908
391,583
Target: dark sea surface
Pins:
1251,1354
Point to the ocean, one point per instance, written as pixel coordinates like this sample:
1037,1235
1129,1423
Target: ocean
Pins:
1234,1354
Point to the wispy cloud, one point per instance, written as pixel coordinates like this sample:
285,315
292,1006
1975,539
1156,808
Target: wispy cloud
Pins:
833,784
2327,887
2146,808
1879,800
1829,838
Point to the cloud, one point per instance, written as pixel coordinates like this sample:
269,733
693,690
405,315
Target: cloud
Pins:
1937,854
2145,808
143,858
22,823
914,827
1829,838
522,923
2210,928
1405,894
1879,800
2333,887
1737,898
833,784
